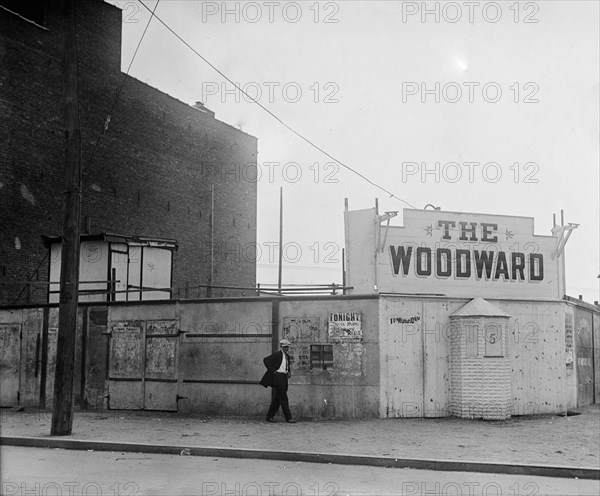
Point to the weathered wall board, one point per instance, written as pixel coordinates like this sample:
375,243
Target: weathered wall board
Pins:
399,367
10,363
126,350
301,329
585,357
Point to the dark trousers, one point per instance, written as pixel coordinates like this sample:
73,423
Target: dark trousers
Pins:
280,387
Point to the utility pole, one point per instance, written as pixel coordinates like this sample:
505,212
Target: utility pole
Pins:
279,278
62,411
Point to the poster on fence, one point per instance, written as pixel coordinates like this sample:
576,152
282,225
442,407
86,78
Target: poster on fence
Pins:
569,321
345,326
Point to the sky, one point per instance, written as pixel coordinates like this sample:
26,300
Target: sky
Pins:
488,107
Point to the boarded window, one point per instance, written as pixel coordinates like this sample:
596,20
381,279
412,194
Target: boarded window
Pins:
321,356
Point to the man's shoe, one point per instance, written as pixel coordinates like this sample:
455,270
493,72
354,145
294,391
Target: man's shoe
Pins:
270,419
291,421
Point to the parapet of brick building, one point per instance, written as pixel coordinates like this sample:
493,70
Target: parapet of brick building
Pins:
151,171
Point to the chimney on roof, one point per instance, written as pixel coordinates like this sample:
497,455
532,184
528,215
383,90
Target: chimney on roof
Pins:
200,106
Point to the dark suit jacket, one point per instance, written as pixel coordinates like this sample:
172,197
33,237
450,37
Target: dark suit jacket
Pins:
272,362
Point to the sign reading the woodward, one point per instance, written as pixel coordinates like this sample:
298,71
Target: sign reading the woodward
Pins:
453,254
489,262
466,254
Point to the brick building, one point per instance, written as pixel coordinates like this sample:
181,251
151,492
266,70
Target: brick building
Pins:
151,171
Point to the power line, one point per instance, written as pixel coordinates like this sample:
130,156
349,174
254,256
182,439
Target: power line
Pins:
301,136
109,116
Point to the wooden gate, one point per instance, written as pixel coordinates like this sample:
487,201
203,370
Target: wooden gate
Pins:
10,363
161,365
143,365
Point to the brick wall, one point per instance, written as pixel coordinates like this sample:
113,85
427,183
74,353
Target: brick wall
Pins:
480,385
150,174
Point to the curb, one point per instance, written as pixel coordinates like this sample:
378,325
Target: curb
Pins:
310,457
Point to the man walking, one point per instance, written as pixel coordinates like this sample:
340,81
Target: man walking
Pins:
276,376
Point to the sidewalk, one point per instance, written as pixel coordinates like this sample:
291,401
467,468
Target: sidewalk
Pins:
547,440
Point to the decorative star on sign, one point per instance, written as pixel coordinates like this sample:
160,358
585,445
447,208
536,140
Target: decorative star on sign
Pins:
429,230
509,234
